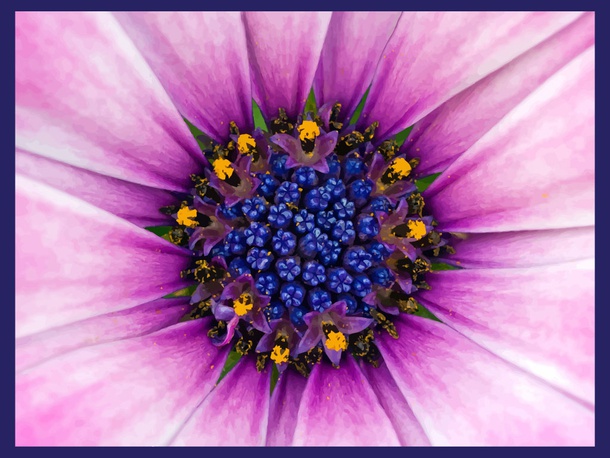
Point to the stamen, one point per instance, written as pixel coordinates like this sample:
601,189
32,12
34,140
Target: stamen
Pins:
246,144
308,130
186,217
336,341
280,355
243,304
412,229
223,168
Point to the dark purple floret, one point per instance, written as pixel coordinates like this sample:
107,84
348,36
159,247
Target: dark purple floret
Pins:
314,273
288,192
284,242
288,268
305,177
339,280
254,209
257,234
292,294
280,216
259,258
267,283
304,221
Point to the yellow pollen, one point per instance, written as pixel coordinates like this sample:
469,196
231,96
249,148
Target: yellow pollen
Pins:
186,217
401,166
417,229
243,304
223,168
308,130
245,142
280,355
336,341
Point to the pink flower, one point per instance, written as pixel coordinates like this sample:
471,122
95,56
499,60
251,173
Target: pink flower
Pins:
501,106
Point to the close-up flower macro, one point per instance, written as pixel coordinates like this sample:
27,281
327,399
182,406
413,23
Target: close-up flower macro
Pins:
304,228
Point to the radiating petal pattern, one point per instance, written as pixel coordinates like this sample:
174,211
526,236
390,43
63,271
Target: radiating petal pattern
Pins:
432,56
452,128
133,202
284,408
353,46
131,392
339,407
85,96
284,51
75,261
464,395
534,169
134,322
202,61
397,409
523,249
541,319
235,413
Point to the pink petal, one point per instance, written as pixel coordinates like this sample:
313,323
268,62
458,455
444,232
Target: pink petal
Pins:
464,395
131,392
540,319
405,424
136,321
74,261
433,56
353,46
284,408
202,61
284,51
453,127
235,413
133,202
339,407
85,96
523,249
534,169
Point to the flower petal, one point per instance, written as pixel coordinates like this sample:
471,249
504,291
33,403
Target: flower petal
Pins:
284,51
235,413
74,261
540,319
339,407
432,56
452,128
134,322
202,61
523,249
131,392
534,169
396,407
464,395
345,71
133,202
85,96
284,408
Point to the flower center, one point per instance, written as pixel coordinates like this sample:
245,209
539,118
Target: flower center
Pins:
306,239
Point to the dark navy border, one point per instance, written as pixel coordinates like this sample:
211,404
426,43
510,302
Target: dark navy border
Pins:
7,258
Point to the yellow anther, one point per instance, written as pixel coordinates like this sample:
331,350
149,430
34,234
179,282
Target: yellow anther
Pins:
223,168
401,167
417,229
308,130
245,143
243,304
336,341
186,217
280,355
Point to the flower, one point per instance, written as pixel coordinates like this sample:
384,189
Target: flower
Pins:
310,244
